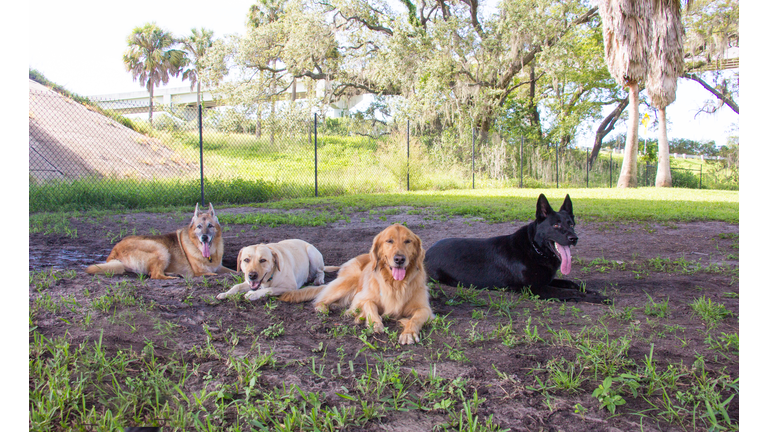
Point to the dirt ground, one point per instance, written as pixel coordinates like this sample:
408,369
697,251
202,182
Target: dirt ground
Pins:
503,375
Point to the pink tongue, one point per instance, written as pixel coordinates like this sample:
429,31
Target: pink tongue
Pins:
398,273
206,250
565,258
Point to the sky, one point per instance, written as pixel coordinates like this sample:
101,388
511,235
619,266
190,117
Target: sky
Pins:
80,44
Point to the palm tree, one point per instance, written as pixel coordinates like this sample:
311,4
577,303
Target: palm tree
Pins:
666,65
151,58
196,46
626,36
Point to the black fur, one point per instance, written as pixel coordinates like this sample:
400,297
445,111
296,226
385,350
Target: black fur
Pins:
526,258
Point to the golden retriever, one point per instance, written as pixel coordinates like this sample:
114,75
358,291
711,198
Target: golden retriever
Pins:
275,268
389,280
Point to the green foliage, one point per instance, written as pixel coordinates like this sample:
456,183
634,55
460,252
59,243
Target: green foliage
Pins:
117,194
608,397
711,313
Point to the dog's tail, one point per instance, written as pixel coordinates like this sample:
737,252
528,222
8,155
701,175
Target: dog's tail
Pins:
302,295
113,267
331,268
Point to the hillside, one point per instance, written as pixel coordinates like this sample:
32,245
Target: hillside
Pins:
68,141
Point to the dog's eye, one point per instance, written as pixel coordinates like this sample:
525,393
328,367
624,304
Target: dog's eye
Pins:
390,241
407,241
556,226
247,260
262,260
210,225
199,226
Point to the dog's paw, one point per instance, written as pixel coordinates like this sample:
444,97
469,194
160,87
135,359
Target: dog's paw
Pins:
222,296
408,338
321,308
255,295
378,327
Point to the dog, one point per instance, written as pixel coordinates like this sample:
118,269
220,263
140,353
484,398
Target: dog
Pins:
192,251
389,280
275,268
530,257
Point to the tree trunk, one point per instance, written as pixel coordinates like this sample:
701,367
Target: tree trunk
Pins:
663,172
628,176
534,109
606,127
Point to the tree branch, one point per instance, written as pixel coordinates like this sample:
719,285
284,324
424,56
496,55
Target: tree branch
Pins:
728,101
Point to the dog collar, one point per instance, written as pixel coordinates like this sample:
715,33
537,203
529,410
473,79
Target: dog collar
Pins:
535,248
533,244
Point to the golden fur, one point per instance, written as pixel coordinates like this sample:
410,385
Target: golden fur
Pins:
367,285
275,268
180,252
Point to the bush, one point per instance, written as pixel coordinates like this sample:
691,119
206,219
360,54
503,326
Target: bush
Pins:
685,179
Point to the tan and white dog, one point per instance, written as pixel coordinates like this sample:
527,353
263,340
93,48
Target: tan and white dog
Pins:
192,251
276,268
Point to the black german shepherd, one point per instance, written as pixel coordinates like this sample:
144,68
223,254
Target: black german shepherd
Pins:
529,257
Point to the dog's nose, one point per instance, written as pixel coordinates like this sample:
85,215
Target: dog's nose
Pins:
572,238
204,238
399,260
253,276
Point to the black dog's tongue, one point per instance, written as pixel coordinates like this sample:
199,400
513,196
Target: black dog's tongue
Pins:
565,258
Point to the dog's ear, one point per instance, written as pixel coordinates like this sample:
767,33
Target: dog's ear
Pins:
239,255
212,212
374,253
275,259
543,209
420,252
567,206
194,216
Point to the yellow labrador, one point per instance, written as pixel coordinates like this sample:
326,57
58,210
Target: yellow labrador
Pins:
276,268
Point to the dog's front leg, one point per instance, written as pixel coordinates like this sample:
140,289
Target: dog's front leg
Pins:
241,287
370,312
412,326
273,291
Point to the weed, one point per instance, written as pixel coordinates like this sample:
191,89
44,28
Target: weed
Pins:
711,313
656,309
607,397
273,330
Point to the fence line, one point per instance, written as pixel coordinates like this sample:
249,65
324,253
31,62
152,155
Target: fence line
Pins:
255,155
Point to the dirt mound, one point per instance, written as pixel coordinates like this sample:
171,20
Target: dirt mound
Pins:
68,140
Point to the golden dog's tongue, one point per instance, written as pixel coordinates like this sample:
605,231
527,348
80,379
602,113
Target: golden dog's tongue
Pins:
565,258
398,273
206,250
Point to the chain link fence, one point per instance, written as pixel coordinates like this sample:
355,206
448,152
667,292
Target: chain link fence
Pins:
107,154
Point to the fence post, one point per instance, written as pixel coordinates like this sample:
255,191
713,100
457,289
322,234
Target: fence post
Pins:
408,156
315,155
200,127
473,158
701,174
587,169
522,139
610,170
557,165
